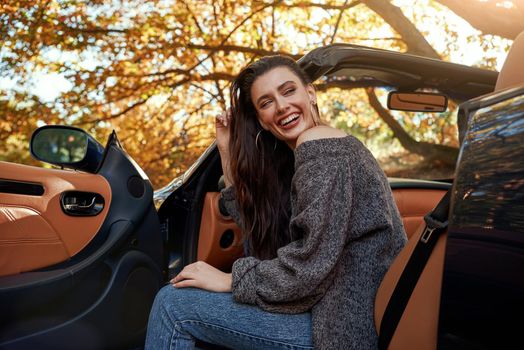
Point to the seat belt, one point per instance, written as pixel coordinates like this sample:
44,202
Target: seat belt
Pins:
436,223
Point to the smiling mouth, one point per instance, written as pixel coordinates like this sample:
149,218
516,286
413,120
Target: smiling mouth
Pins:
291,118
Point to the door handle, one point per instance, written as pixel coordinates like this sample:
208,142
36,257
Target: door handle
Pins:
78,203
75,206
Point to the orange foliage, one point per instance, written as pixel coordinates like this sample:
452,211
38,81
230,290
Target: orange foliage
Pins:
158,72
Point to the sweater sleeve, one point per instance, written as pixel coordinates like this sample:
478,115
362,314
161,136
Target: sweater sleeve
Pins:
229,201
303,270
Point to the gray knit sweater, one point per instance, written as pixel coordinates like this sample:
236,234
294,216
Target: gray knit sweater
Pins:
343,208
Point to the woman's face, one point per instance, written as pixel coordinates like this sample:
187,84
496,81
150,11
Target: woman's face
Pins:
283,104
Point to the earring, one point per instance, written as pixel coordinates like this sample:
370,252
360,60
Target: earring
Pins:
256,141
314,112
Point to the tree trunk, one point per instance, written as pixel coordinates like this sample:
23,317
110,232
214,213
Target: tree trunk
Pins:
393,15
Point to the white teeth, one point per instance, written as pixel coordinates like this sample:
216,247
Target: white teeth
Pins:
289,119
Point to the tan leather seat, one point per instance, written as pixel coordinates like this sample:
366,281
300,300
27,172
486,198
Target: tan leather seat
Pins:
418,326
413,204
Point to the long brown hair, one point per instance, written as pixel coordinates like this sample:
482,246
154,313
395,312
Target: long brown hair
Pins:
261,169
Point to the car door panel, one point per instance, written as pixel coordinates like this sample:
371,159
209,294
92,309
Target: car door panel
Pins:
108,283
35,230
220,239
28,241
109,314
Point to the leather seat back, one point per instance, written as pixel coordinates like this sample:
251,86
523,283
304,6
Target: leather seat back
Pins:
512,72
417,328
414,203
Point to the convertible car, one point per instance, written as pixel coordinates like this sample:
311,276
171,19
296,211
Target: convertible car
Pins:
85,247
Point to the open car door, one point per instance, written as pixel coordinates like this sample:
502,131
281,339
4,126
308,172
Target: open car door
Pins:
81,253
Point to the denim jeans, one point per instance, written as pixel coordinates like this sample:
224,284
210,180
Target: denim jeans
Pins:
181,315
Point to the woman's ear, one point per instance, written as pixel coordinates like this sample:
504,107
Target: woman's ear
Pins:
312,93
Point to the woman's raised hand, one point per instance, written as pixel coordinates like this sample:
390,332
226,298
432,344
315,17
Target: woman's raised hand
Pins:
204,276
222,125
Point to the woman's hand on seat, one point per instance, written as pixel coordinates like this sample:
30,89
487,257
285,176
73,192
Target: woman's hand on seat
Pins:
204,276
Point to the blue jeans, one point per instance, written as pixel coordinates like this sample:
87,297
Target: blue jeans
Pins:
180,316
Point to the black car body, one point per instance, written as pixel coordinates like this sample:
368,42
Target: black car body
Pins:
482,284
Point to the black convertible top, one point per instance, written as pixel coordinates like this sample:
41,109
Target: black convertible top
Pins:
350,66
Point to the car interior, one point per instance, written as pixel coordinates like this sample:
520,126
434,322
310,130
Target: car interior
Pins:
68,273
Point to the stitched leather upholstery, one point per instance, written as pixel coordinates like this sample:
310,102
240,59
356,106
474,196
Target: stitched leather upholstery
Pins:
34,231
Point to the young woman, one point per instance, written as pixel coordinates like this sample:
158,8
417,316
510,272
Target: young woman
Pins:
320,223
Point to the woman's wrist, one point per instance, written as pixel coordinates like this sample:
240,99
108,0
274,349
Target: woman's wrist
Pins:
229,282
224,156
228,181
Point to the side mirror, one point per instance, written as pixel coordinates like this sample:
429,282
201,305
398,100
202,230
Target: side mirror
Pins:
417,101
67,147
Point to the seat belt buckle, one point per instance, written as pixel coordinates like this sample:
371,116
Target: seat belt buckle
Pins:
426,235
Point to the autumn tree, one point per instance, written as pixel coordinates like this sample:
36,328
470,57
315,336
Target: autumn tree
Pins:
159,71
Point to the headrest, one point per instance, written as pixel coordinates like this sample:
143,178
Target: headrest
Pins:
512,72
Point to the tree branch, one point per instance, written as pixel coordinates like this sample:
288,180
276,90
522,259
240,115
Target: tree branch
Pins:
393,15
237,48
205,90
432,152
338,20
233,31
193,17
214,49
93,30
303,4
114,116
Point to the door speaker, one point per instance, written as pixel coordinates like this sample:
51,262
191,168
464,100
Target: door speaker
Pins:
135,186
